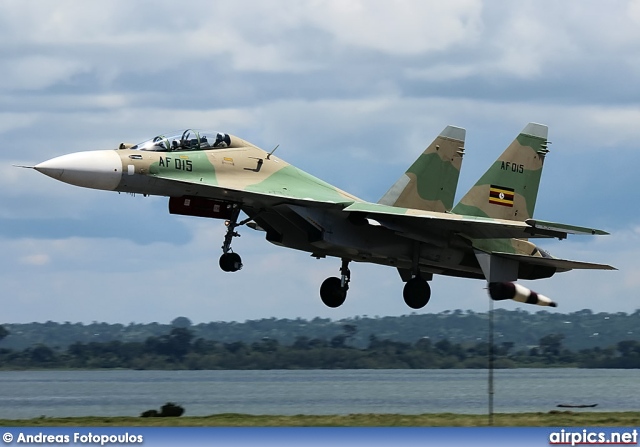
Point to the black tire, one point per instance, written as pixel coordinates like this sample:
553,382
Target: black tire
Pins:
230,262
416,293
332,293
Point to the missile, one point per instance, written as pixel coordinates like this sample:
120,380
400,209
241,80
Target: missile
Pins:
511,291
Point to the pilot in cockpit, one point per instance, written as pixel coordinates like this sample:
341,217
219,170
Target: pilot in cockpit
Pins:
222,140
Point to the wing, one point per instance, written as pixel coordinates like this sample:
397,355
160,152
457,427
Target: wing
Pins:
310,194
417,222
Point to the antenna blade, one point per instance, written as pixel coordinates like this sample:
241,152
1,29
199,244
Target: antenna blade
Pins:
270,153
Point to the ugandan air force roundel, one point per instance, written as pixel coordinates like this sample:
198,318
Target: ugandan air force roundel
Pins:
501,195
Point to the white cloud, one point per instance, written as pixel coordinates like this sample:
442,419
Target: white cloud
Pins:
37,72
35,259
402,27
10,121
633,10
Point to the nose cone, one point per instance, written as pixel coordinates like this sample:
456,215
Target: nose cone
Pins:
95,169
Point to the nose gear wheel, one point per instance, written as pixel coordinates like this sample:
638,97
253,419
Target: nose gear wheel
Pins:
230,262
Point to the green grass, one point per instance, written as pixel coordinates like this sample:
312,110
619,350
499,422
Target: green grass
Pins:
550,419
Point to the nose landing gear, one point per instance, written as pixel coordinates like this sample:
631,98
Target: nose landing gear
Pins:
230,261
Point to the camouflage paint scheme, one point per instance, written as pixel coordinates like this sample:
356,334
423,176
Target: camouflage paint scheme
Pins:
519,168
414,227
220,172
431,182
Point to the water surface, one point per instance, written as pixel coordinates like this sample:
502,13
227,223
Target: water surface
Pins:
27,394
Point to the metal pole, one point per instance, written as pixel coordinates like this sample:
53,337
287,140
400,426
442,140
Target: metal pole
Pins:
491,355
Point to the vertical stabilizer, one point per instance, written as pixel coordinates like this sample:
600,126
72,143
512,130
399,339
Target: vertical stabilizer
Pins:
509,188
431,181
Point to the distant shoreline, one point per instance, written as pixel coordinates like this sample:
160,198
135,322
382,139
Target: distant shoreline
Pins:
553,418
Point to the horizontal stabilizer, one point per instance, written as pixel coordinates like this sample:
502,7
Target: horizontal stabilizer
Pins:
561,264
570,229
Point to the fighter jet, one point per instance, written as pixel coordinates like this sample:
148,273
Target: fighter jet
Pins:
414,227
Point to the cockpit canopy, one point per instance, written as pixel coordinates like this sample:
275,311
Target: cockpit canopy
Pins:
188,140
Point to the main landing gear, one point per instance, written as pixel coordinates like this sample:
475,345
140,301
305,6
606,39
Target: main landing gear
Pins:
333,291
230,261
416,292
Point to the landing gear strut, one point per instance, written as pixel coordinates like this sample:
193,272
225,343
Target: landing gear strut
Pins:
230,261
417,291
333,291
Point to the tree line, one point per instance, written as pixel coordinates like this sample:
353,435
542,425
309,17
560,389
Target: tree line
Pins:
180,349
581,330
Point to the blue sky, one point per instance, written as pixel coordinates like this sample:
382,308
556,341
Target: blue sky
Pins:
352,91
